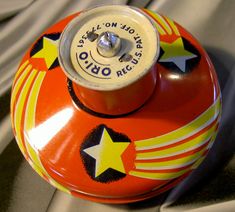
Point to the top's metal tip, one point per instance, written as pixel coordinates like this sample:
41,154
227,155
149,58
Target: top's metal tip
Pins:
108,44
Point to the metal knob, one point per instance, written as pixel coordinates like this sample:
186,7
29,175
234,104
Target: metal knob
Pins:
108,44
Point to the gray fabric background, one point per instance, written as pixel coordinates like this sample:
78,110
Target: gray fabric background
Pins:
209,188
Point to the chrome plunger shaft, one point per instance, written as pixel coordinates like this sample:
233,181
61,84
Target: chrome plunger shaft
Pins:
108,44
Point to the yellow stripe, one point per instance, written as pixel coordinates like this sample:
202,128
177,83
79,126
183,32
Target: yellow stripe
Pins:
160,29
18,84
213,137
30,116
200,160
158,176
32,101
19,108
173,26
163,23
172,175
184,132
171,164
21,69
35,158
30,124
181,148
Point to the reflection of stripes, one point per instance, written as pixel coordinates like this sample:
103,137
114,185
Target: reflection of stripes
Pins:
169,156
25,92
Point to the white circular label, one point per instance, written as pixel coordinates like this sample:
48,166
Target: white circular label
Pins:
138,52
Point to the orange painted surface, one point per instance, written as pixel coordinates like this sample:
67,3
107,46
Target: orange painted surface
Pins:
178,99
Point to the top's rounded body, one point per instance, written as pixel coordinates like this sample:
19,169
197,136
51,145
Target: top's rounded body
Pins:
133,132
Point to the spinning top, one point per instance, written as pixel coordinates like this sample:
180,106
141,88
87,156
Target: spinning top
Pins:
115,104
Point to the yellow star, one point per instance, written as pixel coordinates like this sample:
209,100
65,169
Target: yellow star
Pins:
49,51
107,154
175,52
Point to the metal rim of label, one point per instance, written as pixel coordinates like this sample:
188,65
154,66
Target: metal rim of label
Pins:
73,28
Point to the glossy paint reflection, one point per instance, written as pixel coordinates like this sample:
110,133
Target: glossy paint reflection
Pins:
44,132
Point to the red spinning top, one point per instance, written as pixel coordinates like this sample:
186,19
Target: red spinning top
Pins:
115,104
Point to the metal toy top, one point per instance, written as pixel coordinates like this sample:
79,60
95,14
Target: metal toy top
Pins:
138,129
134,34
